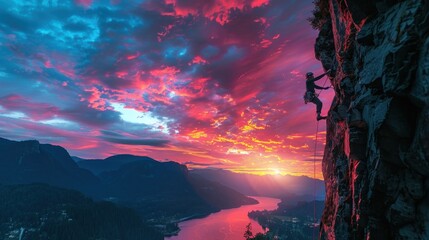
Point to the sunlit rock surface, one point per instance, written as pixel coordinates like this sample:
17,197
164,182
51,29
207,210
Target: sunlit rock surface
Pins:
376,161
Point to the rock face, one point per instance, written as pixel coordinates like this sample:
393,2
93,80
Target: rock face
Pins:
376,161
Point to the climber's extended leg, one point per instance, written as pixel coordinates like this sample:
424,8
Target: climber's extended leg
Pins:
319,105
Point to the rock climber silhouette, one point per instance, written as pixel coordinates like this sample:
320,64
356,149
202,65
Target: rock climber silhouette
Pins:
310,95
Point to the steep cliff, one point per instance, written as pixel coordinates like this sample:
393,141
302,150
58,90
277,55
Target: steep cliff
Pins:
376,161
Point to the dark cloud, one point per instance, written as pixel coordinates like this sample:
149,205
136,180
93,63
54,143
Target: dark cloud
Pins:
110,133
143,142
10,22
90,116
76,27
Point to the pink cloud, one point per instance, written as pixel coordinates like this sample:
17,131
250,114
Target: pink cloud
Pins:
199,60
34,110
84,3
133,56
258,3
95,99
218,11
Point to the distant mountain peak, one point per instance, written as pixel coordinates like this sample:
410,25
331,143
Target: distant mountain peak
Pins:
29,162
265,185
112,163
128,157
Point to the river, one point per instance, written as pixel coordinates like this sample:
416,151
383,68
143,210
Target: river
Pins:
228,224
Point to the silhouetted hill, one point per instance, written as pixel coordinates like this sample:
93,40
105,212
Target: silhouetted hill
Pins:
295,188
140,179
166,189
43,212
98,166
32,162
218,195
301,210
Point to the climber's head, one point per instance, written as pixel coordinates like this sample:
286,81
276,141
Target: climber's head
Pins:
309,75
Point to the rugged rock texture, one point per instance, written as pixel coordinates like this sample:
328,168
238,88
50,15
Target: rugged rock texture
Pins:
376,162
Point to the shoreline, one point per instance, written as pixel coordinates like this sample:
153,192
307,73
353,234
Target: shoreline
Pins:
200,216
183,226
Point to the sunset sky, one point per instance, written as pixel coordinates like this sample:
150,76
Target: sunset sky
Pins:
213,83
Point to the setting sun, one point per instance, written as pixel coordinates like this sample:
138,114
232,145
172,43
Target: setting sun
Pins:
276,171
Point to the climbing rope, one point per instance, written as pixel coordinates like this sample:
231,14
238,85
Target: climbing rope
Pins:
314,184
314,170
324,83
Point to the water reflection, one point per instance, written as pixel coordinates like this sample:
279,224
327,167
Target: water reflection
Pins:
227,224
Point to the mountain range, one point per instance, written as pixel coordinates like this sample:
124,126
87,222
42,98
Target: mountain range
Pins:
294,188
157,190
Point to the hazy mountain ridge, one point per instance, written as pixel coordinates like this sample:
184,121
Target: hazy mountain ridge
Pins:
296,188
164,184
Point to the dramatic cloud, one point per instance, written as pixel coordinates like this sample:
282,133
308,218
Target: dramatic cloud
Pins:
216,83
147,142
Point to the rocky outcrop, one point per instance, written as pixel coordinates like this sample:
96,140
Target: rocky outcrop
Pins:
376,161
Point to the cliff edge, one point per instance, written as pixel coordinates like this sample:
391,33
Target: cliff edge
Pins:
376,160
